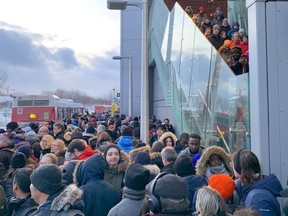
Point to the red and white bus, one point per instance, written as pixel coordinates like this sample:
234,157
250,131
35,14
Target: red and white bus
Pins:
40,108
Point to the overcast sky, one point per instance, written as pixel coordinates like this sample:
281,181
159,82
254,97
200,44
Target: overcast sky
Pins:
50,44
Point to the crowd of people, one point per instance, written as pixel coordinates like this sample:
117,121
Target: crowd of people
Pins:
97,165
231,41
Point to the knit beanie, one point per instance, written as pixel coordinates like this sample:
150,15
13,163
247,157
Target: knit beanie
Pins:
47,179
91,130
222,183
5,138
18,160
111,146
12,125
31,135
137,177
171,186
183,166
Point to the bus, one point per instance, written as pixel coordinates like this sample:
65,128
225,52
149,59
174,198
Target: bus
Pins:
41,108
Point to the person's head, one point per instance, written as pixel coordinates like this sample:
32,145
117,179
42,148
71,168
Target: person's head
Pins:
76,148
201,9
49,159
241,32
127,131
100,128
235,37
5,140
157,146
58,146
209,202
21,181
160,130
46,141
112,155
167,193
57,128
216,29
136,177
45,181
215,160
225,22
245,39
166,121
223,183
183,166
207,32
169,155
194,143
11,126
246,165
183,140
206,20
235,26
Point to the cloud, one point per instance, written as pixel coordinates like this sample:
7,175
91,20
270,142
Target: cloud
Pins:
33,67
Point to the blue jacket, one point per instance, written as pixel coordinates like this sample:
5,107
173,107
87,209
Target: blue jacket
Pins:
261,195
125,143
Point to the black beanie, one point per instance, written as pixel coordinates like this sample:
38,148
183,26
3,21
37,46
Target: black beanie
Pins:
137,177
171,186
18,160
47,179
110,146
236,161
142,158
183,166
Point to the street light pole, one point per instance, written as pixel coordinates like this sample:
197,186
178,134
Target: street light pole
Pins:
130,93
121,5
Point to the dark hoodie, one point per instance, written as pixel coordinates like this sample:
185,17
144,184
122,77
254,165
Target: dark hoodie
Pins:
261,195
98,195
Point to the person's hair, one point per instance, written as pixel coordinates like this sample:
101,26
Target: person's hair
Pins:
44,128
209,202
157,146
22,179
49,139
173,143
169,153
166,119
61,146
245,212
104,136
53,158
184,136
102,127
59,126
250,166
195,136
78,144
174,205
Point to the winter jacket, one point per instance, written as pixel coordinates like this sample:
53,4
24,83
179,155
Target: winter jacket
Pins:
26,208
88,152
5,158
169,168
130,204
125,143
66,202
98,195
187,152
115,175
216,41
262,195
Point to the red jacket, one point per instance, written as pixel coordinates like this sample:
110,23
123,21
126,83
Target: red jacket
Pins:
88,151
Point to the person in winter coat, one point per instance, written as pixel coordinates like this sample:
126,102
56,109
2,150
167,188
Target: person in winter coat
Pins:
125,142
98,195
168,138
22,204
136,178
214,160
118,162
58,148
79,150
255,190
54,199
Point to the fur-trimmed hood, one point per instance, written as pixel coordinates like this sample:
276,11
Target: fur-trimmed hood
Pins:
70,196
125,162
168,134
145,148
154,170
203,161
154,155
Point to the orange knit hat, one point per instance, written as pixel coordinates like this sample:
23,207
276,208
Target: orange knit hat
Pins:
222,183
